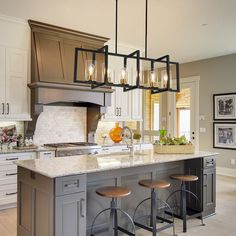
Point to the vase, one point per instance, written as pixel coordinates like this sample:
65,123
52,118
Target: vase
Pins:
115,134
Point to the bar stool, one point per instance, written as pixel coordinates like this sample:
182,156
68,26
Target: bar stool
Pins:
114,192
185,213
154,184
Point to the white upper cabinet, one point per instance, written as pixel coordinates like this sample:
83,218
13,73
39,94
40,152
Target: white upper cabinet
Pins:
125,106
14,68
2,82
17,106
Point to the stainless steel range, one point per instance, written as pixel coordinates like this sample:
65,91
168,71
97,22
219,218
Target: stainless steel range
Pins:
73,149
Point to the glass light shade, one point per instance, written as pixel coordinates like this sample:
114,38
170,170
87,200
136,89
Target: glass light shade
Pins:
142,81
90,70
153,78
123,76
110,73
164,79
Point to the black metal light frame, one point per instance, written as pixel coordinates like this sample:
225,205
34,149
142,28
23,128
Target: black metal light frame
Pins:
135,55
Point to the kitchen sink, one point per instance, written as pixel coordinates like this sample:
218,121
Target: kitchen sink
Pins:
117,154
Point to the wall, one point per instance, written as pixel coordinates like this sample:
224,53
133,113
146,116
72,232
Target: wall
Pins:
61,124
217,75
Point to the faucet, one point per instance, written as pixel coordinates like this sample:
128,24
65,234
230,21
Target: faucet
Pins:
131,145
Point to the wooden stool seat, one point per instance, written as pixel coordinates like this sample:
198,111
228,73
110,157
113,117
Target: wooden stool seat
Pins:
149,183
185,178
113,192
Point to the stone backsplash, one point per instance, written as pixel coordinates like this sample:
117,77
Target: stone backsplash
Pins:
58,124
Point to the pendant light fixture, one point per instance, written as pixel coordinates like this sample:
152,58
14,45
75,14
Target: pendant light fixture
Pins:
147,76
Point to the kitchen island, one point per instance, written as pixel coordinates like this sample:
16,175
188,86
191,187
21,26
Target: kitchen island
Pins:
57,197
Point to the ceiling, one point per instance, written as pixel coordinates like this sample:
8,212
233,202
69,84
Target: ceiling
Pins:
188,30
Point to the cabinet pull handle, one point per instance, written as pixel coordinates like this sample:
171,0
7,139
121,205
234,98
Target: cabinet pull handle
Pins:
11,174
3,108
8,194
72,185
8,108
119,111
47,153
12,159
82,201
116,111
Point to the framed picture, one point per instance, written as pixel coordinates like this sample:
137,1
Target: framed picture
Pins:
224,135
224,106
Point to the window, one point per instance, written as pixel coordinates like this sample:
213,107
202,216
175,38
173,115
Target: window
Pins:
151,124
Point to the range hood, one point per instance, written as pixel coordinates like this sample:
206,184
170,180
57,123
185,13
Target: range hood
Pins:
52,54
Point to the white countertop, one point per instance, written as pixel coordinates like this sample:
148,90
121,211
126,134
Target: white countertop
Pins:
73,165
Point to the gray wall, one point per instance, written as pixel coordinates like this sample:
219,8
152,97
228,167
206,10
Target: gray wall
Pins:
218,75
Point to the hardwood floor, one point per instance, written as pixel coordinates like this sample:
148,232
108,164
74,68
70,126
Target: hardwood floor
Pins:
222,224
8,222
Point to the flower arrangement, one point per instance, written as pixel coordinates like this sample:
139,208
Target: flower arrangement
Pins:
8,135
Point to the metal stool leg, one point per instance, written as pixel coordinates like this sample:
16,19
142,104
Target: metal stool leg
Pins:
184,206
107,209
153,212
113,226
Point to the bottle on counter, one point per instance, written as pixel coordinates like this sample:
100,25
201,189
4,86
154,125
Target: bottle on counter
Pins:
20,140
26,142
31,142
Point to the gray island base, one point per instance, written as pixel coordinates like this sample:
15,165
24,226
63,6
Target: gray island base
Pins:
57,197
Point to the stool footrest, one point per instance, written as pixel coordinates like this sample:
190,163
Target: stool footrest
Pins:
125,231
190,214
150,229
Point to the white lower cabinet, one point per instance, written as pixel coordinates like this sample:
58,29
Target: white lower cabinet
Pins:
8,177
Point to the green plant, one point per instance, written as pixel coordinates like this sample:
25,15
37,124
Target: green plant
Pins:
167,140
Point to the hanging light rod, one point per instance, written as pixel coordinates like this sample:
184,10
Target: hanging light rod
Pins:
145,79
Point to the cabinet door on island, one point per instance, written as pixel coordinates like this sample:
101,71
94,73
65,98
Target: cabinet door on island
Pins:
70,215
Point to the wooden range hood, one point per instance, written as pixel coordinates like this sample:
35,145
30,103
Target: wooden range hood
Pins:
52,68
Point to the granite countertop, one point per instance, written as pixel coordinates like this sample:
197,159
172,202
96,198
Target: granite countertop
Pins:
73,165
39,149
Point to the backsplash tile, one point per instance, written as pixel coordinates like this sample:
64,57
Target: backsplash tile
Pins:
103,129
58,124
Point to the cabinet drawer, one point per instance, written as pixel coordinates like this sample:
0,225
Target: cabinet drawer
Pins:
8,180
8,173
70,184
209,162
8,190
8,199
8,167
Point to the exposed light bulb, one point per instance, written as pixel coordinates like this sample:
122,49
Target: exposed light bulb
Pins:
91,69
165,77
123,79
123,73
152,78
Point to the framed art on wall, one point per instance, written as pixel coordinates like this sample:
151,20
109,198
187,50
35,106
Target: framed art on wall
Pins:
224,106
224,135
